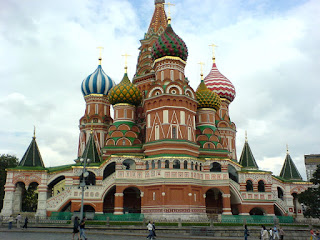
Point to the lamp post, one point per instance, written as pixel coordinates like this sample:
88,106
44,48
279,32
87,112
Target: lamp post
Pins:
85,174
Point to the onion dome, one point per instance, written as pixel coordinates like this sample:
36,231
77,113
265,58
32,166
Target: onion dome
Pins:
207,98
97,83
169,44
125,92
219,84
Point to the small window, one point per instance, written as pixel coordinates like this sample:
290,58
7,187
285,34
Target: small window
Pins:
197,166
249,186
185,164
192,166
174,132
176,164
153,164
147,165
215,167
261,187
123,142
159,164
166,164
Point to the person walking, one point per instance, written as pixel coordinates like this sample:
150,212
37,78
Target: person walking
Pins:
154,230
270,234
10,220
246,232
82,228
26,220
275,233
76,227
281,232
18,219
150,228
264,233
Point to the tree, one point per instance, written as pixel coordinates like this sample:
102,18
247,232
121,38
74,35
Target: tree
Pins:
311,197
6,161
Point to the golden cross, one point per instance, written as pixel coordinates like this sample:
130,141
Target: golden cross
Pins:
213,53
100,54
246,136
125,61
169,13
201,69
34,131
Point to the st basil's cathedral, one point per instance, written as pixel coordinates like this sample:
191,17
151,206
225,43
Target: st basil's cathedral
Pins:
168,151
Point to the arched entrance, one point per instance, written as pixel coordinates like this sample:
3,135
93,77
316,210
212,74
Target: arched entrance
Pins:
30,198
256,211
214,203
277,211
108,202
131,200
56,186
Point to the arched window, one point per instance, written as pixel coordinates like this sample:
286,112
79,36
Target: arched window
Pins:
261,187
249,186
110,168
280,193
196,166
185,164
200,167
147,165
215,167
129,164
191,165
233,174
166,164
159,164
176,164
153,165
90,179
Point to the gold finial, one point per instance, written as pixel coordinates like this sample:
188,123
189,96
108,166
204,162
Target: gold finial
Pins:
246,136
287,149
169,13
91,131
201,69
213,53
100,54
125,61
34,131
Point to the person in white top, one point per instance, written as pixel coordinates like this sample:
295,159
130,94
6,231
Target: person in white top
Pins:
18,219
150,229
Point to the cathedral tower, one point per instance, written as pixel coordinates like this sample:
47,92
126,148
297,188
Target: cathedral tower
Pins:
95,89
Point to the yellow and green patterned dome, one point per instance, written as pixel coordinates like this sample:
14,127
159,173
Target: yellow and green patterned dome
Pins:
206,98
125,92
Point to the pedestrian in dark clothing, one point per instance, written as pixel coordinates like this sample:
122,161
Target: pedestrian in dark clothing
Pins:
10,220
281,234
154,230
246,232
76,227
25,223
82,228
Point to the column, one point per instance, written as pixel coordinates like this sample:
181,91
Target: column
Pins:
118,203
226,210
7,209
42,201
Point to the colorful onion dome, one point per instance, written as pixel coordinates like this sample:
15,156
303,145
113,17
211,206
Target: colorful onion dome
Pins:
207,98
125,92
219,84
97,83
169,44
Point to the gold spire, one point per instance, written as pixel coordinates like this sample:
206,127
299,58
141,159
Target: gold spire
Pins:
287,149
100,54
34,131
169,13
201,69
125,61
213,53
246,136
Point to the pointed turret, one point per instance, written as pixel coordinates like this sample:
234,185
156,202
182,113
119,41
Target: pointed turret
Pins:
159,18
91,152
32,157
247,159
289,170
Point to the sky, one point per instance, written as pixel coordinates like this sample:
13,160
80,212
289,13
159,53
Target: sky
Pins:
268,49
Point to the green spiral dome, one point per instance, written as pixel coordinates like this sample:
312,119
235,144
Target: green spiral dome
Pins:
207,98
125,92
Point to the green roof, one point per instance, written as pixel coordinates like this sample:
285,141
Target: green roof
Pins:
247,159
289,170
32,157
91,152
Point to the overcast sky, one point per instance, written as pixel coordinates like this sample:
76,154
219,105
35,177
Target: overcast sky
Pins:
268,49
